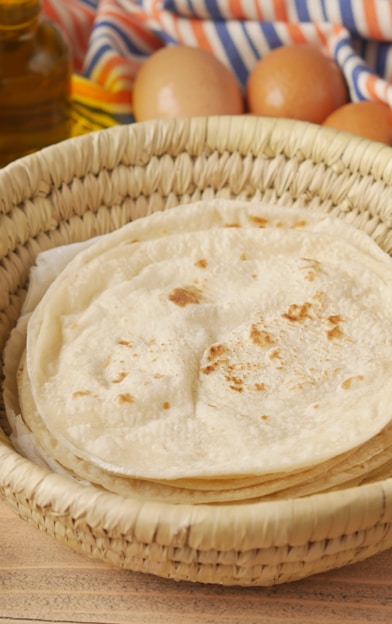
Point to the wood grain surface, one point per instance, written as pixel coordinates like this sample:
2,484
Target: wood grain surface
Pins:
43,581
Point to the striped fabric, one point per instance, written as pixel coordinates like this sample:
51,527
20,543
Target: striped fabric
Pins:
110,39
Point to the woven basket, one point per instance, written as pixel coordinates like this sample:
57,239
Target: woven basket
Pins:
96,183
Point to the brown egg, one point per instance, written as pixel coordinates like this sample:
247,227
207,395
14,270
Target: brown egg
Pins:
372,120
296,81
183,81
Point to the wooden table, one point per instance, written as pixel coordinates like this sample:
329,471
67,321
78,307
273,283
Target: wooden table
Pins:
43,581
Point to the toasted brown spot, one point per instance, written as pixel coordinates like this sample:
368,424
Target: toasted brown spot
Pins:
232,225
235,380
264,417
236,388
243,256
260,387
19,373
120,377
313,266
216,350
346,385
260,337
186,296
80,393
318,296
335,332
210,368
202,263
166,405
299,224
125,343
335,319
301,385
125,398
261,222
274,355
298,312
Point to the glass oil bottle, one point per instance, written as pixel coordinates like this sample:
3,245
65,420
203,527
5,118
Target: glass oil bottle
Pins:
35,74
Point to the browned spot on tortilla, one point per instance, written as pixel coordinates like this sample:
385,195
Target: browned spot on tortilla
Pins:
202,263
121,376
298,312
166,405
312,266
19,373
299,224
264,417
216,350
346,385
243,256
215,359
302,384
260,337
261,222
125,343
185,296
318,296
335,319
125,398
80,393
274,355
335,332
235,382
260,387
232,225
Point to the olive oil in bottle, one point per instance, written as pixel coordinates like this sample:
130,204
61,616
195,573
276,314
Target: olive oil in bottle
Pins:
35,73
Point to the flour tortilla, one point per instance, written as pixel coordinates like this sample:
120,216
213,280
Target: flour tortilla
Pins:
220,340
372,458
332,473
365,463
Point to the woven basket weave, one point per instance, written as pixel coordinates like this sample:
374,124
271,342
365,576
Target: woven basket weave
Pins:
96,183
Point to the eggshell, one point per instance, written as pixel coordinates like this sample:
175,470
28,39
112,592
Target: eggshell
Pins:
296,81
184,81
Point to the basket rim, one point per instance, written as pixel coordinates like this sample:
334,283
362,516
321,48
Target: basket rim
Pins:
313,518
306,140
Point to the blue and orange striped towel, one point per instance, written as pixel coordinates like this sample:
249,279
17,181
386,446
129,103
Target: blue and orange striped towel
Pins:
110,39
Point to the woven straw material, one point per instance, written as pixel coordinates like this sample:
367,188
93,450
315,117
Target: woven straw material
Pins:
95,184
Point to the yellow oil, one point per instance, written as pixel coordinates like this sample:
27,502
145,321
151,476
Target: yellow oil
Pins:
35,73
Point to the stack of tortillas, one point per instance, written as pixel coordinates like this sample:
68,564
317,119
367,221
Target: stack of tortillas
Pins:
216,352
